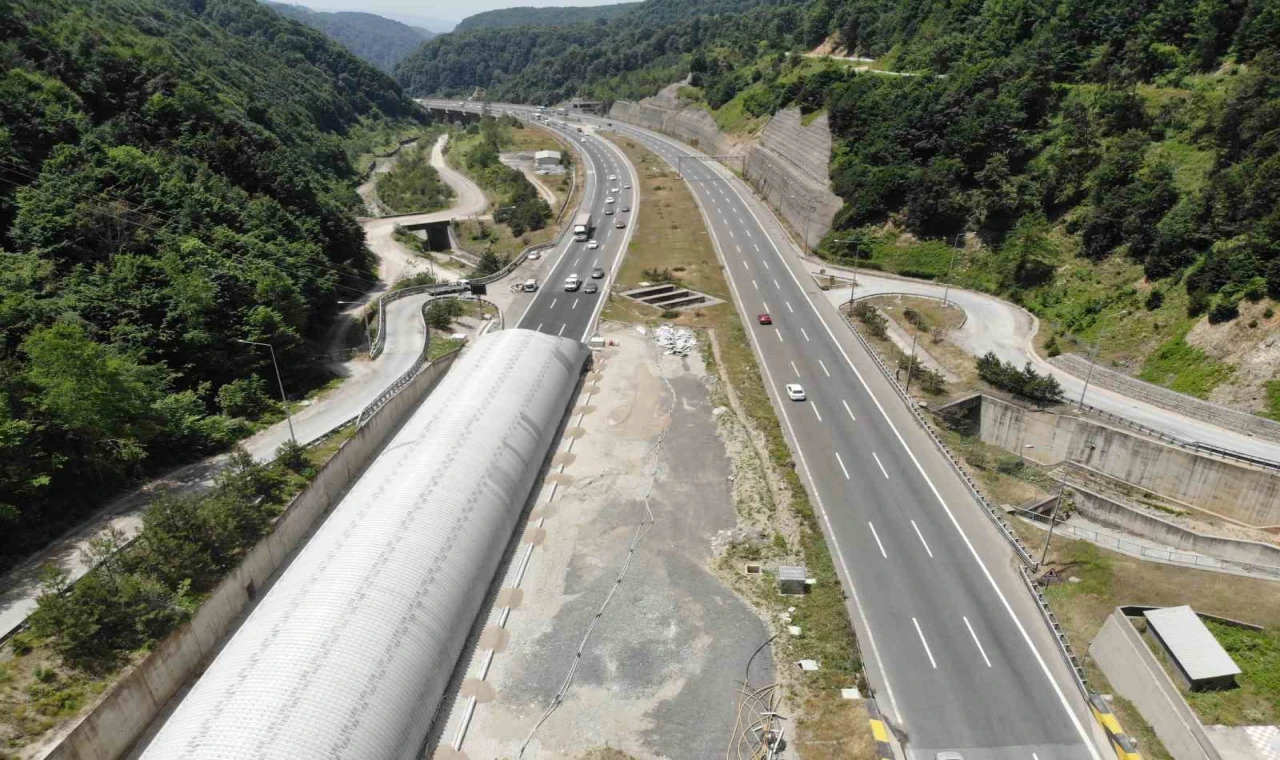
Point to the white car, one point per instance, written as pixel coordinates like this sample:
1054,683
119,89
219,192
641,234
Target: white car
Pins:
626,185
609,199
534,255
572,283
612,177
795,392
614,190
593,244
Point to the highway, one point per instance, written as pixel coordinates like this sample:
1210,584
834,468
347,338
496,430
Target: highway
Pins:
573,314
954,647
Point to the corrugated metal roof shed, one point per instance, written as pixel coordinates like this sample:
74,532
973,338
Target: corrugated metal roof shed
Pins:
349,653
1191,644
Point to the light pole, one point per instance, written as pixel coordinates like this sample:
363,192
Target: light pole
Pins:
283,399
364,319
946,291
911,361
1093,359
857,245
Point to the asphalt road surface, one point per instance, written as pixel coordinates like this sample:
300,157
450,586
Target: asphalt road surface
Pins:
573,313
954,648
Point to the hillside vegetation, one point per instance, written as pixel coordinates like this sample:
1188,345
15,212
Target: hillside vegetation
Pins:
1112,165
378,40
553,16
173,178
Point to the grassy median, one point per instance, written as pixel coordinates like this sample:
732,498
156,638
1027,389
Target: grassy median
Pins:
670,239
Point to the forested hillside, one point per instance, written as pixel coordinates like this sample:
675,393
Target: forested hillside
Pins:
1113,163
630,56
506,17
173,177
378,40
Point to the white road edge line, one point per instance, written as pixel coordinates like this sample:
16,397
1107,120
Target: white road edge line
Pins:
921,537
977,643
882,551
920,633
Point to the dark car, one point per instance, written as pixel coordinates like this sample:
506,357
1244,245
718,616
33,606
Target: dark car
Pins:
626,209
591,288
620,224
597,273
765,319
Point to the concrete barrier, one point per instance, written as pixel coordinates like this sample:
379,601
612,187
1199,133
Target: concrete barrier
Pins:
1135,675
125,711
1112,512
1237,491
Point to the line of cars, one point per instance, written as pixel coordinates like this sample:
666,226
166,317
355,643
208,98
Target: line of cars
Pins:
574,282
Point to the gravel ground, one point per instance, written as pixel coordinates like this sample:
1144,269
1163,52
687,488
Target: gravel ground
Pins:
658,675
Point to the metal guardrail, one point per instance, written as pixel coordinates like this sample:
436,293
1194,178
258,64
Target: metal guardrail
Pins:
1059,633
991,511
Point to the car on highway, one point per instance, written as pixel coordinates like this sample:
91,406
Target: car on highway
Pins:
795,392
534,255
591,288
612,177
614,190
597,273
765,319
626,209
626,186
608,212
609,199
572,283
620,224
593,244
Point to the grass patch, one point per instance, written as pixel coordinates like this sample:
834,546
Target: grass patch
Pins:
669,233
441,346
1257,700
413,184
1273,400
1185,368
479,236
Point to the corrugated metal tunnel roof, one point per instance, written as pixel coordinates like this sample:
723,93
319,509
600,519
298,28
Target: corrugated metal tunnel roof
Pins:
349,653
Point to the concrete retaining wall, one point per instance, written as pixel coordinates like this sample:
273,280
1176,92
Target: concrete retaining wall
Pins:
1164,398
789,166
1135,675
1236,491
1113,513
124,712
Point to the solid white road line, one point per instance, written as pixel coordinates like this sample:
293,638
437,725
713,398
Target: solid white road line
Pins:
793,369
805,334
877,537
842,469
847,409
977,643
920,633
566,324
886,474
820,364
921,537
815,411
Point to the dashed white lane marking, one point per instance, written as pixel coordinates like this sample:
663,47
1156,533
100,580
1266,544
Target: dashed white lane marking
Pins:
824,368
779,332
793,311
538,328
805,334
877,458
562,328
977,643
815,411
575,303
776,286
921,537
793,369
847,409
754,285
920,633
766,264
842,469
553,302
877,538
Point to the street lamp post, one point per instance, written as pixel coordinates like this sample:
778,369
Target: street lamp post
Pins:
946,290
911,360
1093,359
283,399
857,245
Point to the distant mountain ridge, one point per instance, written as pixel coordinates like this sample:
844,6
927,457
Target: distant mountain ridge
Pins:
376,39
509,17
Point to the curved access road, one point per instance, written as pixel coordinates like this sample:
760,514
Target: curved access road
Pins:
996,325
364,380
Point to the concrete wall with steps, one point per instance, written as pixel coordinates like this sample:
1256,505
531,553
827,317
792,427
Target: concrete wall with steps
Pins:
1239,492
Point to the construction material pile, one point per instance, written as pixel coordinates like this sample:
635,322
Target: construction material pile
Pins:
679,341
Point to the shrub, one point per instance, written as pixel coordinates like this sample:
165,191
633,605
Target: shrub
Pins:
246,397
1051,346
1255,290
657,275
872,319
1223,311
916,319
670,314
1025,382
1155,299
1269,313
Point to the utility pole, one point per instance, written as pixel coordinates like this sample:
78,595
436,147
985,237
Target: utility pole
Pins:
1093,359
856,247
946,291
283,399
911,361
1053,515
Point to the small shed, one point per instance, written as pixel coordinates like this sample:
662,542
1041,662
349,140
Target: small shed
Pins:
546,159
792,579
1197,657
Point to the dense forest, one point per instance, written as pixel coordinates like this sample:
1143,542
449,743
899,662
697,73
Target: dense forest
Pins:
378,40
173,177
1072,138
553,16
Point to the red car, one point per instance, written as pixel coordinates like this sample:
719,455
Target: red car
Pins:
765,319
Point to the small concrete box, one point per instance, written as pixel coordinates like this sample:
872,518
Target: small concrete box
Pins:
792,580
1199,660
